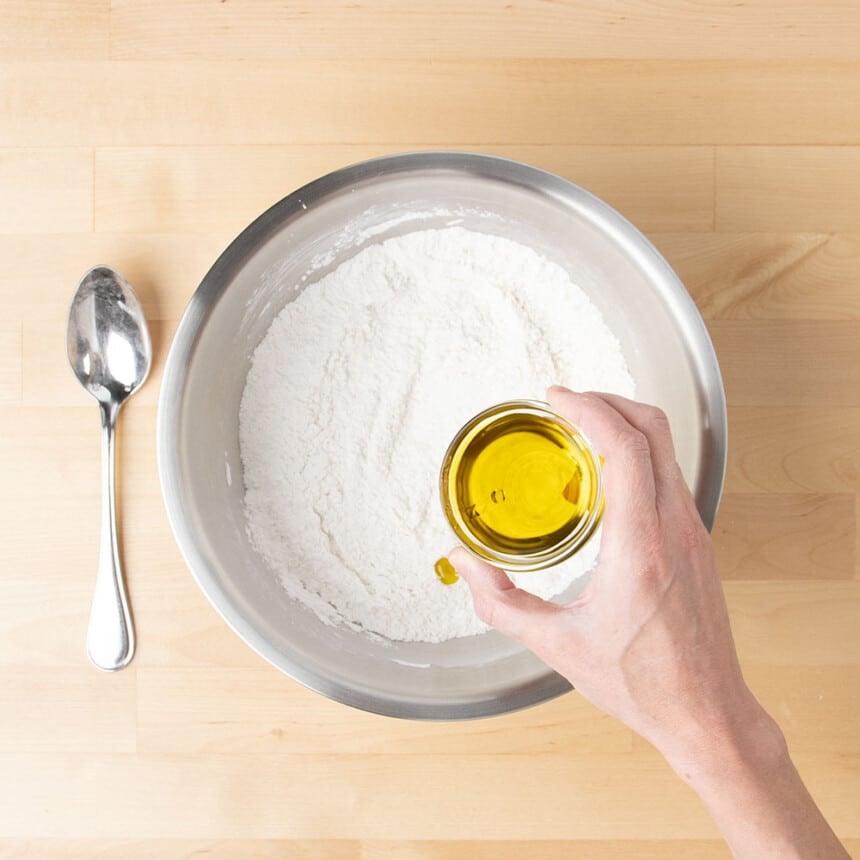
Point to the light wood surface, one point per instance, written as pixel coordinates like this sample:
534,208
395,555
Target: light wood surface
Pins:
147,134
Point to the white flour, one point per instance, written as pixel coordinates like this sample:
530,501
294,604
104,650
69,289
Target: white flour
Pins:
357,389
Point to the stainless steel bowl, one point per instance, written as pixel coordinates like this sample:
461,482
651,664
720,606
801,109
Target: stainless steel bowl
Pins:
314,229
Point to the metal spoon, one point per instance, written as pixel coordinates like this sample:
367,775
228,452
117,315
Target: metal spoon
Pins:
110,352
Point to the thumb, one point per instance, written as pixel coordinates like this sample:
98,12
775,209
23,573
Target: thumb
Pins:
525,617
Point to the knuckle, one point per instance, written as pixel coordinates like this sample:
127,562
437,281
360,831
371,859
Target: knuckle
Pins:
691,536
636,444
657,418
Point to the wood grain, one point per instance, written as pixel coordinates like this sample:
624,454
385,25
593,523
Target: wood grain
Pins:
611,849
145,135
312,29
783,449
788,362
374,797
805,276
349,849
41,710
10,361
346,849
795,623
520,101
786,188
73,467
786,536
46,190
54,29
365,796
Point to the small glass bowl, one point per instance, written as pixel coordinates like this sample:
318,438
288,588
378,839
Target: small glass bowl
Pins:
567,543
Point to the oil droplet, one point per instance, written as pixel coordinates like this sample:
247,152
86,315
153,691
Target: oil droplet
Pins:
445,571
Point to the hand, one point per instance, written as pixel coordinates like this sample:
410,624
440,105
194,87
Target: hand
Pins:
649,639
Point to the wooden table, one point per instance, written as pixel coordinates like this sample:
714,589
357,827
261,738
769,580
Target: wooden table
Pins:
147,133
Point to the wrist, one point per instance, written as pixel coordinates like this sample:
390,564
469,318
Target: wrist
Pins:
727,745
739,766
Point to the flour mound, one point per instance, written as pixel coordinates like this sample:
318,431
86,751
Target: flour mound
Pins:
354,394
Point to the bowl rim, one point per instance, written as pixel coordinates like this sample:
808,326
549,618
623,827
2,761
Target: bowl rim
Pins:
491,167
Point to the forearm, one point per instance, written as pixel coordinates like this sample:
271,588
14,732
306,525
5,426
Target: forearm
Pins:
745,777
649,639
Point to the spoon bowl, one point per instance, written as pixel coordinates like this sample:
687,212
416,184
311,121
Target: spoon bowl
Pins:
107,339
110,352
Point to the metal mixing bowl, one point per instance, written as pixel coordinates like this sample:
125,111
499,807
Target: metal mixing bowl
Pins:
314,229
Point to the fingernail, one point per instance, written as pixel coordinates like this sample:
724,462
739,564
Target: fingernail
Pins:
559,389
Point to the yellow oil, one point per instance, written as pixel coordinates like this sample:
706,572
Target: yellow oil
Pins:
445,571
522,484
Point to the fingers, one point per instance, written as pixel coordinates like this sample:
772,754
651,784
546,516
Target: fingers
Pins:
628,472
510,610
654,425
673,494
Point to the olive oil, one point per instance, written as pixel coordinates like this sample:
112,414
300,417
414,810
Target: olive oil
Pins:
445,571
521,487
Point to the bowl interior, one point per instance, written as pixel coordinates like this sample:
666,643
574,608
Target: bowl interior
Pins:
312,231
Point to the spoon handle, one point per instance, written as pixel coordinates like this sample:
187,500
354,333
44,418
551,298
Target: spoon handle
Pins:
110,637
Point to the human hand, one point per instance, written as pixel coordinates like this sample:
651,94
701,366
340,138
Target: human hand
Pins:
649,639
